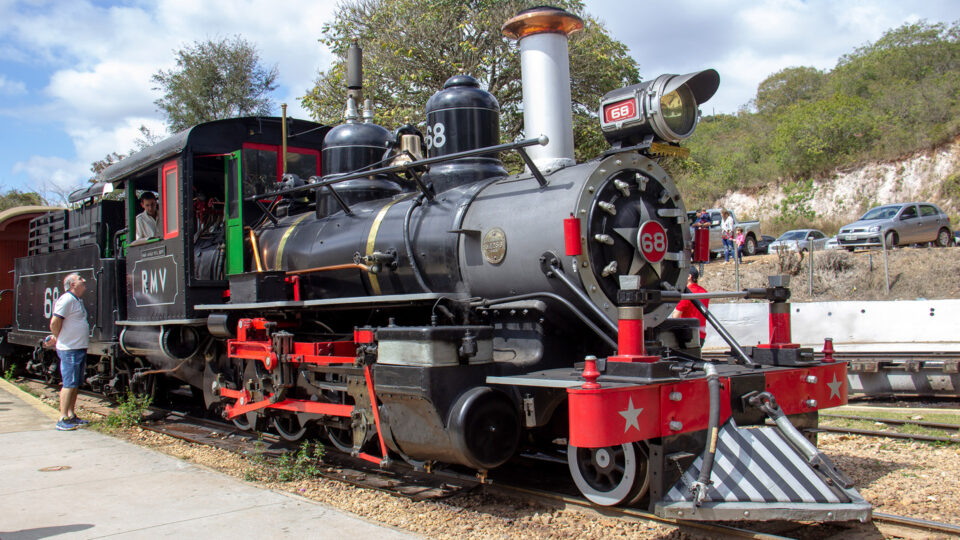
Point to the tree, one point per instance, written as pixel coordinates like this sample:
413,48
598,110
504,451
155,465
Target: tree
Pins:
215,80
412,47
15,198
146,138
787,87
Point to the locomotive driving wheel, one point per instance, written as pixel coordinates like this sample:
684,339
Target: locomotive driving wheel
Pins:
289,427
611,475
251,421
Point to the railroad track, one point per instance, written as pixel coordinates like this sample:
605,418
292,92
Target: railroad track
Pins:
888,434
402,480
916,524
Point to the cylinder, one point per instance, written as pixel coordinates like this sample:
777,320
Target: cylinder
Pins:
630,339
779,323
571,236
545,71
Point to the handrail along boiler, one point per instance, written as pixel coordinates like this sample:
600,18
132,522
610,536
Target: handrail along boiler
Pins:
436,309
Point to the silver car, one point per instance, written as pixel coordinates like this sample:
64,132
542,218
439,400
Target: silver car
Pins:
799,240
899,224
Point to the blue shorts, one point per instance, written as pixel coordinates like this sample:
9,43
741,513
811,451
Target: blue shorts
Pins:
73,365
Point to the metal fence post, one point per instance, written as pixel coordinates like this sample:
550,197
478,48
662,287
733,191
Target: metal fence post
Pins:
813,246
736,269
886,270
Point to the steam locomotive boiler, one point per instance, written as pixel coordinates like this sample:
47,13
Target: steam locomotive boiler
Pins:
436,309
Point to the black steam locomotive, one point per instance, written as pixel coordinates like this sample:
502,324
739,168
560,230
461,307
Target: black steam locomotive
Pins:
439,310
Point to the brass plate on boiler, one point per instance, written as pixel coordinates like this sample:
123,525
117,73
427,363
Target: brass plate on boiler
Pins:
494,245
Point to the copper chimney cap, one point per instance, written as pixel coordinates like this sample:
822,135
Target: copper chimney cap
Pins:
542,19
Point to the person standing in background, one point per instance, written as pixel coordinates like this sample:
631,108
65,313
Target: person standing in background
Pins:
726,234
685,308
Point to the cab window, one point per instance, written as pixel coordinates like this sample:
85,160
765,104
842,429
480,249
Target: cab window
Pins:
909,212
170,205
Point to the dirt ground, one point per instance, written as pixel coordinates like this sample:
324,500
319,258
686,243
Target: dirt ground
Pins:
930,273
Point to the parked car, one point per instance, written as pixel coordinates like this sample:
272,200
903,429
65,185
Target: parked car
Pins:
899,224
751,231
763,244
832,243
799,240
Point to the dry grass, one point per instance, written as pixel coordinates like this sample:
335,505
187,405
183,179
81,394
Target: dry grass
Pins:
930,273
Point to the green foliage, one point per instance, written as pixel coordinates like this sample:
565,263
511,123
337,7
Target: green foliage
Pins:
215,80
411,48
882,101
8,374
129,411
814,135
950,188
302,464
795,209
787,87
15,198
146,138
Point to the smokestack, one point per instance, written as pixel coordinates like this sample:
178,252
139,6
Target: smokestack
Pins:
355,72
545,66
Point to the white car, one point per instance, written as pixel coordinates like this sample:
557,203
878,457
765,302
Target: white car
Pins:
832,243
799,240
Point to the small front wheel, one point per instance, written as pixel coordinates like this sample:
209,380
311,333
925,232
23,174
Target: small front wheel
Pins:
611,475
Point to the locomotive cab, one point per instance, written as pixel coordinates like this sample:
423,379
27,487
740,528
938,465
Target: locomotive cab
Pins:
200,177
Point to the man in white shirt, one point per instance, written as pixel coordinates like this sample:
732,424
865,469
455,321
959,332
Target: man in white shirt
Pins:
726,235
147,220
71,333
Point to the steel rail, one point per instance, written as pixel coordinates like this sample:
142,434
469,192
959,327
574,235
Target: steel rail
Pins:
886,434
917,523
726,530
894,421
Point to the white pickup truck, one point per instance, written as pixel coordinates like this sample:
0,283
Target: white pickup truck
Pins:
751,231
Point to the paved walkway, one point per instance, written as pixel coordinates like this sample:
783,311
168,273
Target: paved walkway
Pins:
111,488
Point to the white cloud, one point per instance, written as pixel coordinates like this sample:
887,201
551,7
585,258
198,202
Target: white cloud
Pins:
53,176
11,88
106,95
102,59
748,41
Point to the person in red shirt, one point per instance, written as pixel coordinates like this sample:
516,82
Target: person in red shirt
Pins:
685,308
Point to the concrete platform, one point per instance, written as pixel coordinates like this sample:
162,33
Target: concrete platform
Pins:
111,488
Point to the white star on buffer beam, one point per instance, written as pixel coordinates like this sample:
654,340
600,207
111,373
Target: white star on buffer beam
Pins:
631,416
834,387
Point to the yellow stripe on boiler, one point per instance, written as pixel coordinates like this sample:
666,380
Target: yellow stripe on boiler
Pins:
372,239
277,261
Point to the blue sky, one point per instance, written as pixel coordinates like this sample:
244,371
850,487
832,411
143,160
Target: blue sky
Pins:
75,74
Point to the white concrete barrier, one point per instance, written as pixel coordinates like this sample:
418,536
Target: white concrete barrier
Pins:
895,325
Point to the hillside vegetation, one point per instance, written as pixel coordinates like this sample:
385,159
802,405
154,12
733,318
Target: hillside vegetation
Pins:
884,100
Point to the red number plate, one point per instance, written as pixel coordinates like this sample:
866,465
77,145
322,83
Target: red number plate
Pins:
652,241
620,111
